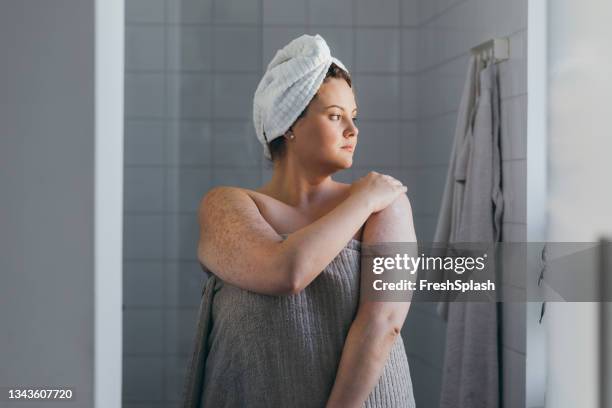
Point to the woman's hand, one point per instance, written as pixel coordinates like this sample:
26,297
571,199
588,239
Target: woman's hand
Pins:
377,190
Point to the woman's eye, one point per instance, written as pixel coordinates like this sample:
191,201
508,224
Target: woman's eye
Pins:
355,119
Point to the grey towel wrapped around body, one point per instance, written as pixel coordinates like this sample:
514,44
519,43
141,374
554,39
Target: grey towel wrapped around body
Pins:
254,350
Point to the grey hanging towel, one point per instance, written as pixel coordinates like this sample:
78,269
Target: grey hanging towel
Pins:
471,211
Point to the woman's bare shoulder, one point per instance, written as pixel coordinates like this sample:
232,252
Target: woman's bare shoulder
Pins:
239,192
223,193
224,190
229,214
393,224
223,202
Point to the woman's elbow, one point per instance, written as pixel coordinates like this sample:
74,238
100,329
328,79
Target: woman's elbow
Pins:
386,321
389,330
301,272
389,327
290,266
288,287
295,281
292,289
285,281
290,279
381,331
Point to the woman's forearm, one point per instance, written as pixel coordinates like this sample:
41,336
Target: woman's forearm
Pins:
315,246
364,356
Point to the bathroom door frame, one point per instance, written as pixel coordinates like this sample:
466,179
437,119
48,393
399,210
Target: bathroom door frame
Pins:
537,159
108,222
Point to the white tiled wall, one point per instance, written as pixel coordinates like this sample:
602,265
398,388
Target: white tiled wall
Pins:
188,128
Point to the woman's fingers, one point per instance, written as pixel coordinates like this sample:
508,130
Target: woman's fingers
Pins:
392,179
396,182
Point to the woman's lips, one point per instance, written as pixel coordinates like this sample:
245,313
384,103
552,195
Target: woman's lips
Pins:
348,148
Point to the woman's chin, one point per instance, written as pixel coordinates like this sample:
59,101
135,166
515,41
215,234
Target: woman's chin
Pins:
346,157
341,162
347,163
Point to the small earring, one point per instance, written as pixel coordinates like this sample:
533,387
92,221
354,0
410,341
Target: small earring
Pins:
291,135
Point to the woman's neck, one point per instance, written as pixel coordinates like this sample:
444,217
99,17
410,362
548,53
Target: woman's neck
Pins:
297,186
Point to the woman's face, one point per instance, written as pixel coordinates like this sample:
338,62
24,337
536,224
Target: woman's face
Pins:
327,136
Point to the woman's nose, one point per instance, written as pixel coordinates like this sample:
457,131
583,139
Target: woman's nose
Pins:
352,130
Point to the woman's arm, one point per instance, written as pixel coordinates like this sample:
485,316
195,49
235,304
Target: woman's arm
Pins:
377,324
239,246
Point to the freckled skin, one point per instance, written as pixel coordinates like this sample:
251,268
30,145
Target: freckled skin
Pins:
301,191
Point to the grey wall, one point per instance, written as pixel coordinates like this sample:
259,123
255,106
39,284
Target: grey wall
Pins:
47,184
443,31
188,128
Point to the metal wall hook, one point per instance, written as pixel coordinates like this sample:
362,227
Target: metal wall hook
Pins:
494,50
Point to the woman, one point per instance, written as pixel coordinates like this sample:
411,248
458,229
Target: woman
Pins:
281,321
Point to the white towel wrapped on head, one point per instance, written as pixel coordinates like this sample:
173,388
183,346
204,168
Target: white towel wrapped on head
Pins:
291,80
